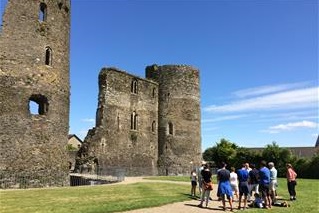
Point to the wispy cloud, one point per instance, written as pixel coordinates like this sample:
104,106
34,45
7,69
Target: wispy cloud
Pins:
223,118
88,120
256,91
291,126
294,99
309,114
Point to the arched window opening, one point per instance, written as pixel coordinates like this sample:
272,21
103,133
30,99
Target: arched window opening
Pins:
134,86
134,120
43,12
38,105
153,126
48,56
170,128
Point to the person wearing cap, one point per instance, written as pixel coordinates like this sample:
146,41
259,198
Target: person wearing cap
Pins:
273,181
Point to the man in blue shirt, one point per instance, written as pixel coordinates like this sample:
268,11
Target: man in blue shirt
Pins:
264,181
243,176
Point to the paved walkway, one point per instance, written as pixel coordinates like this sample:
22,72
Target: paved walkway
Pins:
189,206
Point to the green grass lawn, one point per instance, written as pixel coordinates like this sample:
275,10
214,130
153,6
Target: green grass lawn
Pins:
116,198
307,197
170,178
91,199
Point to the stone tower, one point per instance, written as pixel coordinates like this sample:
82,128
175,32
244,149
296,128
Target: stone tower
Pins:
34,90
179,137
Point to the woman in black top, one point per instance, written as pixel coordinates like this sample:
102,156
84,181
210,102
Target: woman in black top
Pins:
207,185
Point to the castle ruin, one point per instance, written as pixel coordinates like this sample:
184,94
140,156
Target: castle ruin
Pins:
35,90
147,126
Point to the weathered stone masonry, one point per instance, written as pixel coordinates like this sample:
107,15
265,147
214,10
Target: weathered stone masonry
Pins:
34,69
147,126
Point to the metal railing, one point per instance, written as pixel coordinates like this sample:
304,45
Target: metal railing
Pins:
35,180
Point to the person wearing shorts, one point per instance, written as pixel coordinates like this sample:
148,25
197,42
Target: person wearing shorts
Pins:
243,176
273,181
224,188
234,182
264,181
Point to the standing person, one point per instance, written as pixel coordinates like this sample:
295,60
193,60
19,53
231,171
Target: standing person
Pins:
224,188
243,176
193,178
200,178
273,181
247,167
207,185
234,181
253,181
264,181
291,181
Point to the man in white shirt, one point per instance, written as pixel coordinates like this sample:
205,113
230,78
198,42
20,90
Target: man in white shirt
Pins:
273,181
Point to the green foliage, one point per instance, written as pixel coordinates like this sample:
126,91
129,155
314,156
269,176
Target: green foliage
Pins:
243,155
69,147
280,156
224,151
307,168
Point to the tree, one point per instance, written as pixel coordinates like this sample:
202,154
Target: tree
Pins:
243,155
271,153
224,151
280,156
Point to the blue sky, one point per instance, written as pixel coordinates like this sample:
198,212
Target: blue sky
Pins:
258,61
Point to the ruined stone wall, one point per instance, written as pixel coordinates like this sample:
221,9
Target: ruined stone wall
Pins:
179,117
166,139
125,135
34,68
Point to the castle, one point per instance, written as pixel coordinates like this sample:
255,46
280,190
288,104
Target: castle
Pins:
35,91
149,126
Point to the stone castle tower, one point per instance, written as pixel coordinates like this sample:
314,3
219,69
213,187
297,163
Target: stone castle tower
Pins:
147,126
179,137
34,89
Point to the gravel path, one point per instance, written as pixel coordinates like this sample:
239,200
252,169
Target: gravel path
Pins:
189,206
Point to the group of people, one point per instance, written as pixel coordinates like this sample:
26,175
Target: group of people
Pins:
244,183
